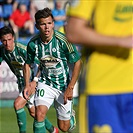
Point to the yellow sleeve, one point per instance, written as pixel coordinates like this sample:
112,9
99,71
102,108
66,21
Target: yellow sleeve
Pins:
81,8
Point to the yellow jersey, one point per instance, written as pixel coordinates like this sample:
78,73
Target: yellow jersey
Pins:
110,69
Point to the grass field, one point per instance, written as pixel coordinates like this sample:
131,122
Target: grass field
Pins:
8,122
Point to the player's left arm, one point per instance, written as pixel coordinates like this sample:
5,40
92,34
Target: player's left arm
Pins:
68,95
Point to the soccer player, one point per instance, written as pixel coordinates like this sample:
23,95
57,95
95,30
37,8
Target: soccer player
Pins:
54,85
14,54
105,30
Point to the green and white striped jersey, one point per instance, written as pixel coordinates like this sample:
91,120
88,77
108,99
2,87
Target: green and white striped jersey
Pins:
15,60
54,57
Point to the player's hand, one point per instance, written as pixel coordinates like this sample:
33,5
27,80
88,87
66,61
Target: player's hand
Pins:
68,94
27,92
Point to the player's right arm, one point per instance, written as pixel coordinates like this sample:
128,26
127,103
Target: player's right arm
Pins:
29,90
88,35
78,30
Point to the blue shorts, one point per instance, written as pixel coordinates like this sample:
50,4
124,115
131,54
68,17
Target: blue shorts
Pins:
106,113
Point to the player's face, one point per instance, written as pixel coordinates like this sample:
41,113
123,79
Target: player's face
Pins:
8,42
45,26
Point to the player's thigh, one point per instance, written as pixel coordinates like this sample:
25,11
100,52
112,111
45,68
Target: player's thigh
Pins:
63,111
44,95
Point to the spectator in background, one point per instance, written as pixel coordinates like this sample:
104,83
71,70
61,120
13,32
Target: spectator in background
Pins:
105,29
37,5
17,2
1,17
59,15
7,10
20,19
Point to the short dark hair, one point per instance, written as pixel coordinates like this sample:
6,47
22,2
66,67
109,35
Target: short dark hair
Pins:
6,30
44,13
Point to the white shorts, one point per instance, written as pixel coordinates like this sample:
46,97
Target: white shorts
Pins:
46,95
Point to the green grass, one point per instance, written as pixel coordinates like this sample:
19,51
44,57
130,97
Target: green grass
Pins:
8,123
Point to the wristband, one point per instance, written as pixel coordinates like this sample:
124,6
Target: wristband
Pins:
35,79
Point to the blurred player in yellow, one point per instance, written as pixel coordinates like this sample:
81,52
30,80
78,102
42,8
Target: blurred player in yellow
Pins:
104,28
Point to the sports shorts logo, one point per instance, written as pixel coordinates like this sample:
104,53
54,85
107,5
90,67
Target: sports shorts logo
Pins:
102,129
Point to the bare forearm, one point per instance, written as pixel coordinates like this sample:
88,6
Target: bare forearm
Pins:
38,72
27,74
79,32
76,72
68,94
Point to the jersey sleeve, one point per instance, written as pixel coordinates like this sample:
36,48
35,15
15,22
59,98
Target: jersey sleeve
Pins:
22,49
72,53
81,8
